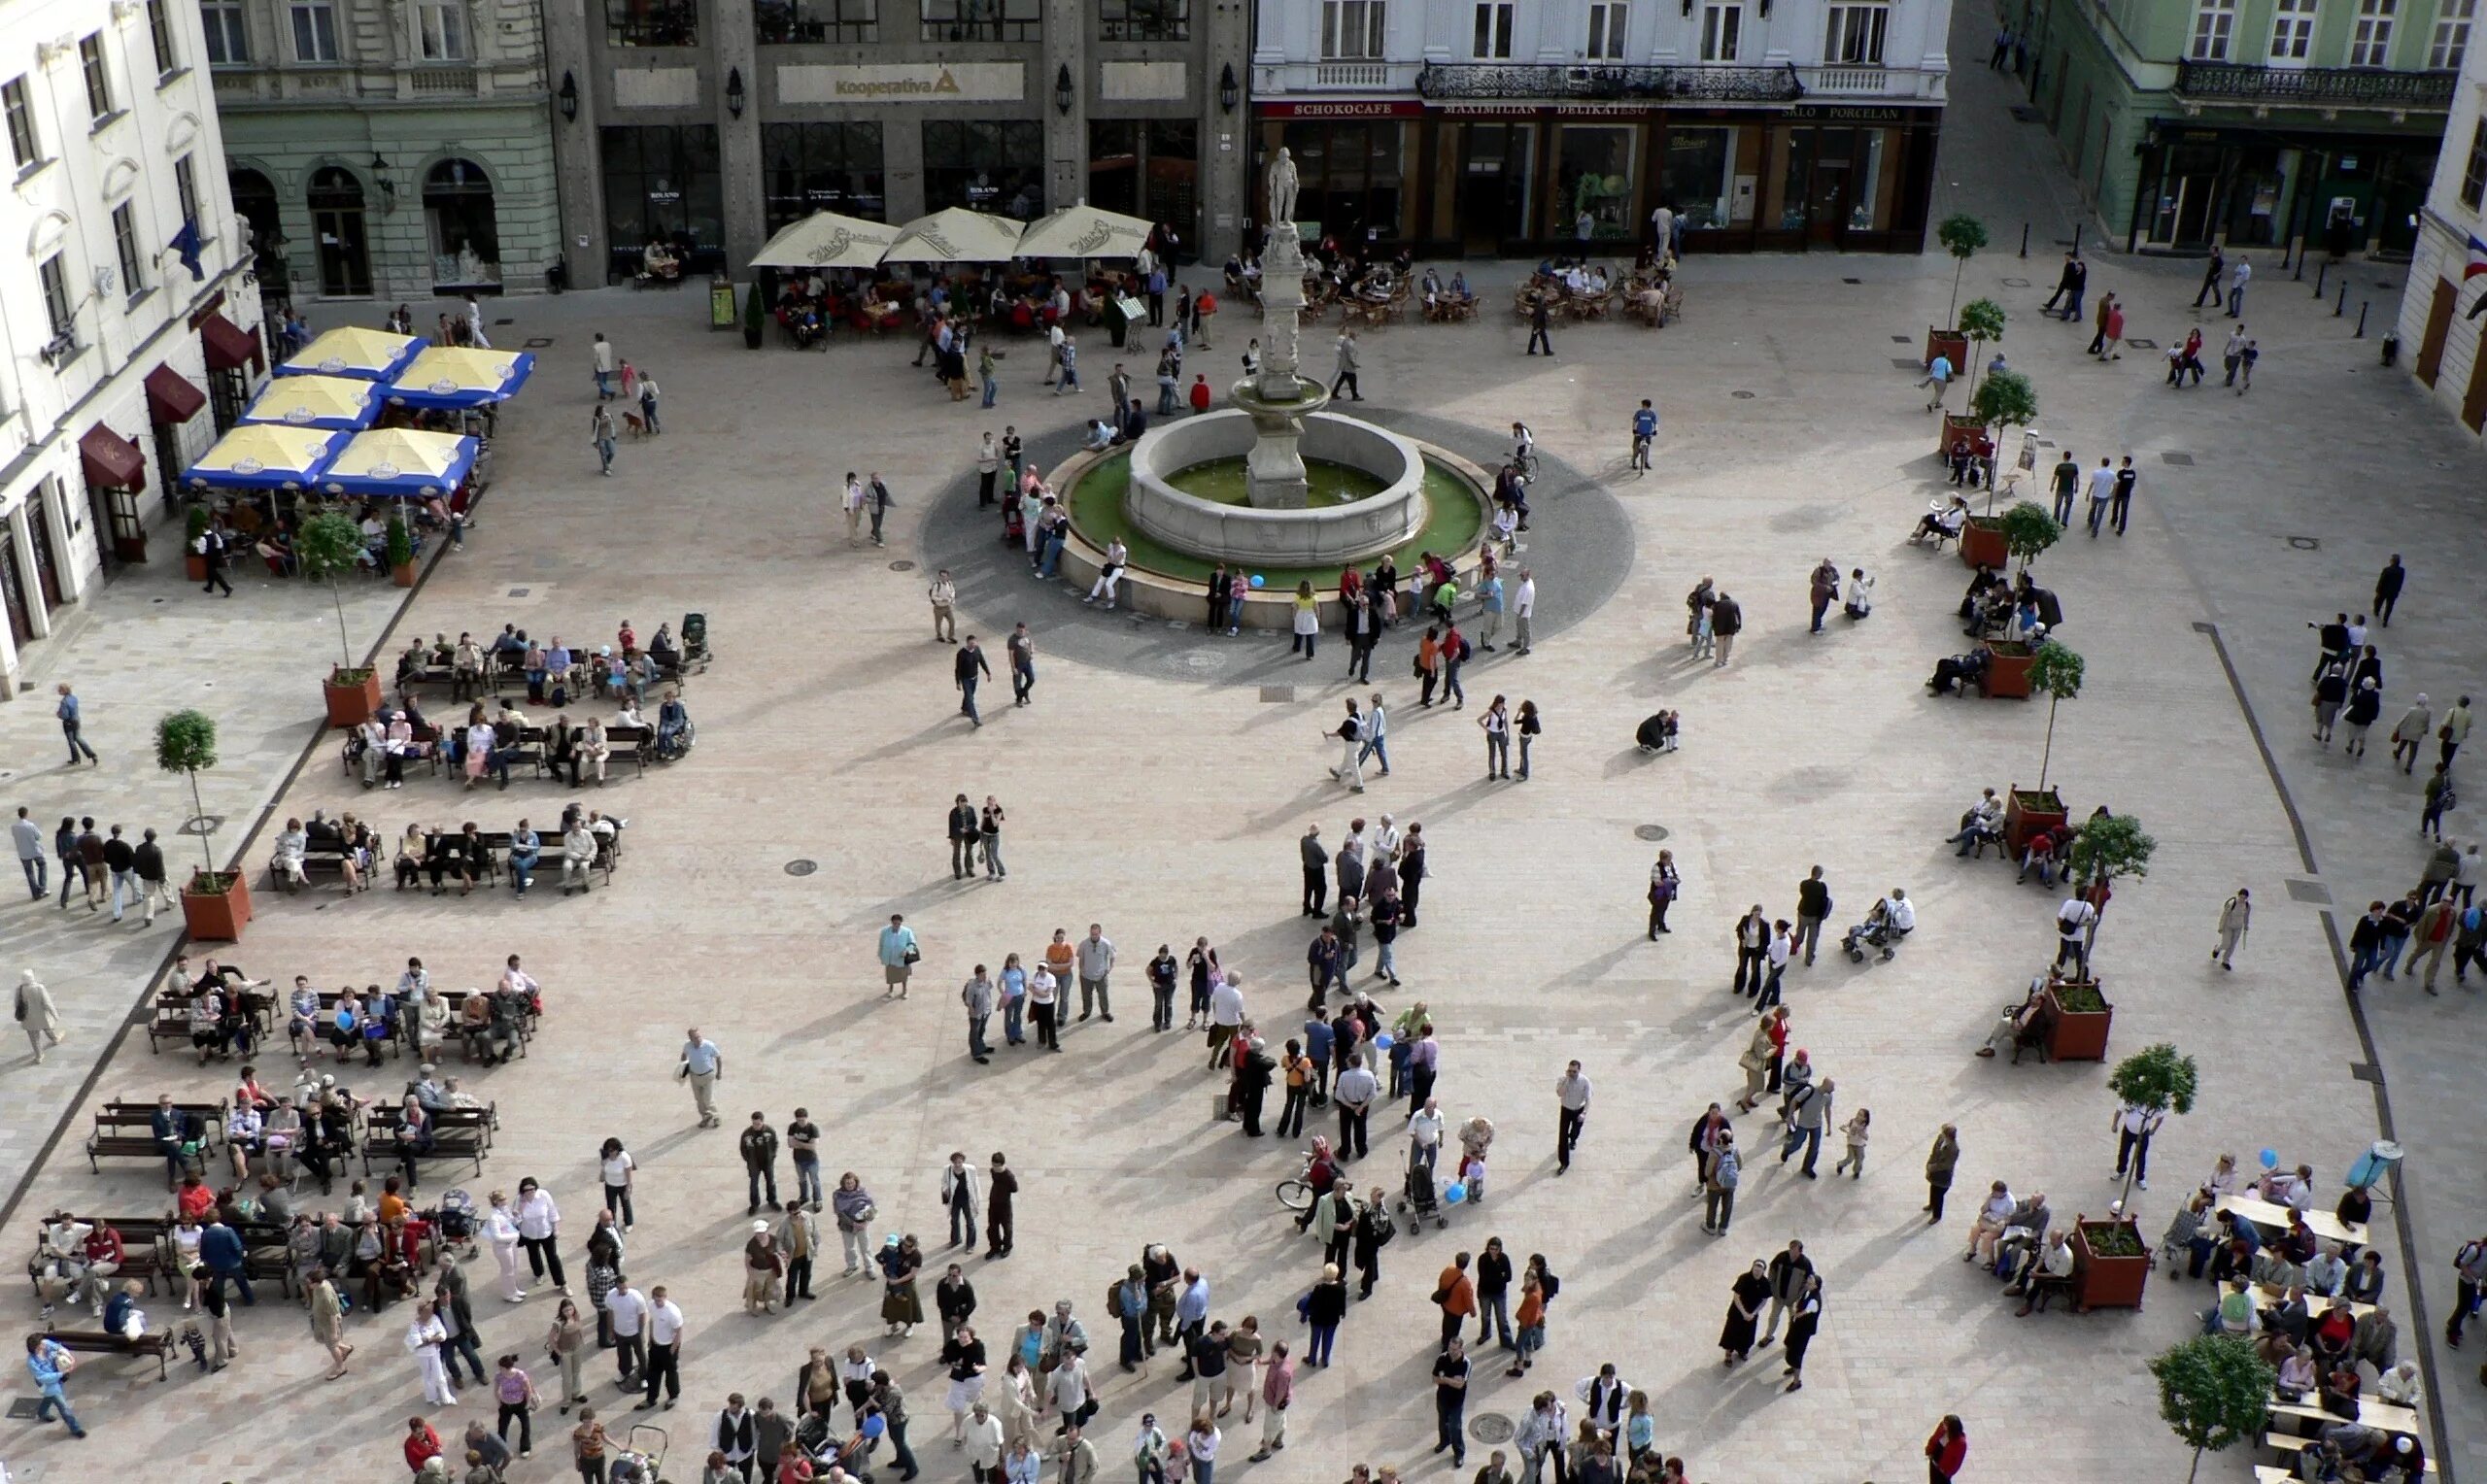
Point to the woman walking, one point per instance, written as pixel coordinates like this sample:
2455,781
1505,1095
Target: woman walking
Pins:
617,1170
1939,1164
1496,723
1323,1308
1664,883
1014,1001
1308,622
566,1343
327,1322
1946,1450
1203,961
902,1309
1744,1299
963,1358
515,1391
989,836
1806,1318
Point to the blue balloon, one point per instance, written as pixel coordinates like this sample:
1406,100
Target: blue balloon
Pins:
1455,1193
1257,580
1385,1041
2271,1158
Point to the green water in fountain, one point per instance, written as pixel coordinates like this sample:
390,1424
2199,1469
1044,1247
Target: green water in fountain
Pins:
1224,480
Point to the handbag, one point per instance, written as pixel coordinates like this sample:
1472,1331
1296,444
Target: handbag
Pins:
912,956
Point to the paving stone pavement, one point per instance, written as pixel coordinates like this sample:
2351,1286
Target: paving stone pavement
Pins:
1166,808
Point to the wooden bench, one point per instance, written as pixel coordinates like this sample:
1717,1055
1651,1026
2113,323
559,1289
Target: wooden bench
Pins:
629,745
97,1342
457,1031
114,1118
2382,1416
145,1254
325,1024
169,1019
324,857
457,1133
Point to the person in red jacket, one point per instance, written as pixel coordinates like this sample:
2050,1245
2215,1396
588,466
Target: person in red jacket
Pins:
422,1444
1946,1450
1200,394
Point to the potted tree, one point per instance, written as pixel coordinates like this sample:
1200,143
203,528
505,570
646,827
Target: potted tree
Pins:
401,551
2078,1018
2055,672
2215,1392
2160,1080
194,525
2003,400
2110,846
2110,1263
2027,811
216,903
1961,235
1982,321
328,547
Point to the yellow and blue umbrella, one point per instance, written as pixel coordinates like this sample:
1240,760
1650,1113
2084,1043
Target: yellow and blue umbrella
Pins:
374,356
444,377
334,402
400,461
264,455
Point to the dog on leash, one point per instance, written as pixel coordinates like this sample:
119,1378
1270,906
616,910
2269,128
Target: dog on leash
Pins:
635,425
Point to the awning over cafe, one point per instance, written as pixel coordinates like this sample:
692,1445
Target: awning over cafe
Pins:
111,462
170,397
229,346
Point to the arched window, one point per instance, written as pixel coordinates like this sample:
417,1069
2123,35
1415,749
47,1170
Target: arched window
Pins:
337,223
464,230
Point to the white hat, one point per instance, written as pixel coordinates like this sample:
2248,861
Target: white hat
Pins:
758,1226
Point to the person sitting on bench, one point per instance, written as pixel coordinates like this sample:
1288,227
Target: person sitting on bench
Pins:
1980,826
2046,1272
2022,1025
1941,523
292,845
578,853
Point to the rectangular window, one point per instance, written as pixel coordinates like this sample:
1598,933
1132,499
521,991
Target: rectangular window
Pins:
159,32
821,167
2474,175
2214,28
663,183
1145,19
1855,36
23,142
441,30
2292,32
1606,32
1723,29
185,190
985,165
55,298
228,42
982,20
99,82
314,31
2370,43
2452,34
1493,39
652,22
133,265
1351,30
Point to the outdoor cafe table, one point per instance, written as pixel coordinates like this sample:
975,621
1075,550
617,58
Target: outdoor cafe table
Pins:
2274,1218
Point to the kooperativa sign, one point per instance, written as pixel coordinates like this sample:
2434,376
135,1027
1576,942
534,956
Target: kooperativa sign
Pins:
905,83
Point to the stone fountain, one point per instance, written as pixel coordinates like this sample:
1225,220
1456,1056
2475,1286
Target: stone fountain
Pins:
1278,400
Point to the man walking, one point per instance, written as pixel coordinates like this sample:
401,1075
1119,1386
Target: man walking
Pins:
2134,1124
1095,957
2235,919
1788,1273
2066,480
1523,609
1938,375
2065,285
648,395
1645,431
1348,361
2233,354
2470,1280
943,594
2211,272
876,498
1376,738
601,437
964,826
68,713
1808,1110
851,501
1539,313
758,1146
1450,1396
2238,276
966,669
2121,508
1813,907
1317,871
702,1065
1726,621
602,353
977,995
664,1349
1022,648
1572,1104
212,551
2102,488
28,836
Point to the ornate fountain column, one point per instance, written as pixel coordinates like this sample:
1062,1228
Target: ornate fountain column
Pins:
1279,398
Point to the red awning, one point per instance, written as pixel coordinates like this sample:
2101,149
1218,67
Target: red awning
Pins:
229,346
170,397
111,460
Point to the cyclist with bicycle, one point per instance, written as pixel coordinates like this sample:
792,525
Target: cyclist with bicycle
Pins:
1524,452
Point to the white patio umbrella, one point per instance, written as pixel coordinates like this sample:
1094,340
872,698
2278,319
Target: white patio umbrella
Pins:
1084,231
828,240
956,236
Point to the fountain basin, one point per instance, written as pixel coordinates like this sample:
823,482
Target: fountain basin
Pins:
1309,536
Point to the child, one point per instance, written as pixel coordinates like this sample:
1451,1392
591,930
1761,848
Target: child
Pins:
1855,1132
1200,394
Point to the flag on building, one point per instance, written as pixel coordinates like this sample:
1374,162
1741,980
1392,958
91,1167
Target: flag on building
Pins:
187,243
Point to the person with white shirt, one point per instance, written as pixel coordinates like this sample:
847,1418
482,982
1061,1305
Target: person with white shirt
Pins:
1355,1093
425,1337
2133,1125
1225,1014
2102,489
1523,609
1424,1135
1572,1101
2072,923
852,502
500,1229
626,1308
539,1232
704,1065
664,1349
1094,956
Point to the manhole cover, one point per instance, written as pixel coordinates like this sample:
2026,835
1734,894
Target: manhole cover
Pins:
499,322
802,867
2142,345
1179,623
2181,460
2305,543
1490,1428
2366,1071
1203,663
1852,281
1899,340
520,591
1741,396
25,1408
1907,363
1652,832
203,824
538,343
901,565
1278,693
2314,891
2015,283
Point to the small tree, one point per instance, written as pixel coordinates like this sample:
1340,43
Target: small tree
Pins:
329,546
2006,399
2159,1080
2028,530
2214,1391
1961,236
1982,320
186,744
2110,846
401,542
2056,670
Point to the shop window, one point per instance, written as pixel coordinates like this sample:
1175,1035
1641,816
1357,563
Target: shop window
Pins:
314,31
1594,174
1352,179
651,23
2452,34
228,40
1723,29
1606,32
2474,175
2214,24
1493,37
1853,37
1145,19
2370,41
1694,174
1351,30
2292,32
663,184
982,20
1146,168
985,165
461,226
822,167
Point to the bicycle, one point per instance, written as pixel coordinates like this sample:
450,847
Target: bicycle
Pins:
1525,464
1296,1194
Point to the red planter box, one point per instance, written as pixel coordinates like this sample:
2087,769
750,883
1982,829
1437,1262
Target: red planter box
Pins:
2103,1282
2077,1035
218,917
1950,343
1982,544
2007,672
2020,820
350,702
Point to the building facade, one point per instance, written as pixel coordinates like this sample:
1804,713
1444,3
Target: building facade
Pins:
2249,122
131,324
1497,128
711,123
2444,310
385,150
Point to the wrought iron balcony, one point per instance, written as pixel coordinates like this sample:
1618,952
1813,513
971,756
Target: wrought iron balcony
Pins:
2315,87
1611,84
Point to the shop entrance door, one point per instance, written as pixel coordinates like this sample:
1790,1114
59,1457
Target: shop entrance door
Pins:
1827,213
1493,187
46,559
13,590
2184,212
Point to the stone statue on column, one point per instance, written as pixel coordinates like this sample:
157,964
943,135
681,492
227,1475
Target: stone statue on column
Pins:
1283,187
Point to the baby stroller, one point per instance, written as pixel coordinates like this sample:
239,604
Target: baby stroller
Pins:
452,1221
1015,520
695,641
642,1460
1419,1202
1875,932
826,1447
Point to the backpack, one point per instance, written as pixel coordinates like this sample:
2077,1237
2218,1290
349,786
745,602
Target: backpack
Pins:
1466,649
